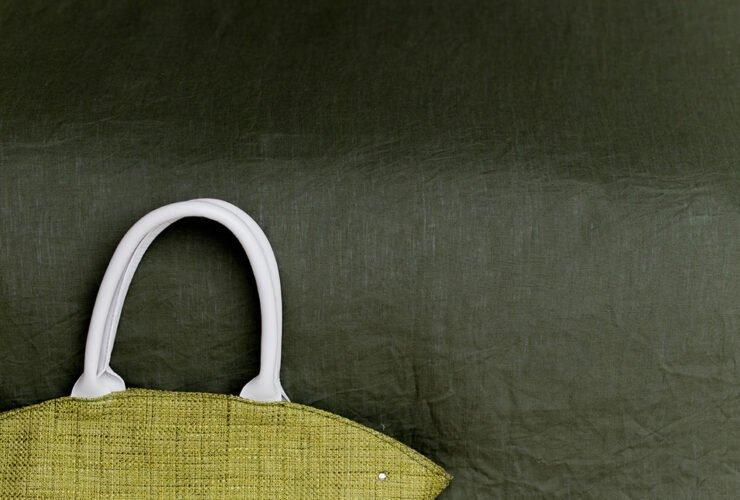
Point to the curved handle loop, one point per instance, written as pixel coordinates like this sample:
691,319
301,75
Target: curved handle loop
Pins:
99,379
267,254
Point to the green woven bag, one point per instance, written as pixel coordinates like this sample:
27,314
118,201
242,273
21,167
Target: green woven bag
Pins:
106,441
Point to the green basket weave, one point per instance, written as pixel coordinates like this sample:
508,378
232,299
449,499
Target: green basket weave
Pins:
107,441
156,444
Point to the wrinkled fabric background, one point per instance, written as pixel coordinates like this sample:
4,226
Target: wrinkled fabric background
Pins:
507,231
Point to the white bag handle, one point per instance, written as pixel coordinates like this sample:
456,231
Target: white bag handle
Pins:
99,379
120,294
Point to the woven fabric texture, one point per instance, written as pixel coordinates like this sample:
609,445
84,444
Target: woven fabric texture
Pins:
143,443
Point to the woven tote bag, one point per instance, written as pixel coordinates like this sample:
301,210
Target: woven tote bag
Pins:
109,441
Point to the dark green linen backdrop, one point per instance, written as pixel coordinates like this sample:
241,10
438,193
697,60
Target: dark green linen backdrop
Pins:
507,231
